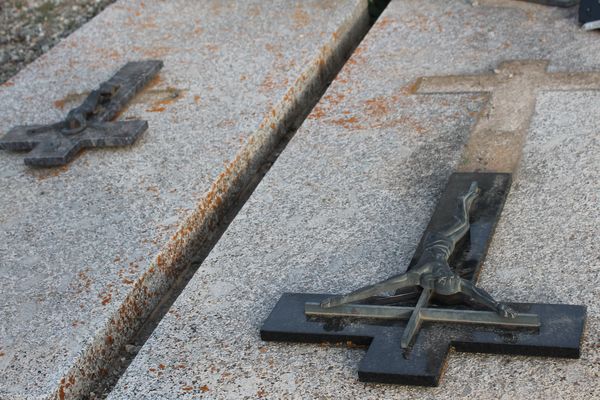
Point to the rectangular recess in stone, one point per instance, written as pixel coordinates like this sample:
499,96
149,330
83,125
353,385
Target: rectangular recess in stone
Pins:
88,249
354,190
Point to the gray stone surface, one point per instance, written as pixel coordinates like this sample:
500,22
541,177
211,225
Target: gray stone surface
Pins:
86,250
346,202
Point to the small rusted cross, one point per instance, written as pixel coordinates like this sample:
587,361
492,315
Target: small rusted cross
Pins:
87,125
499,134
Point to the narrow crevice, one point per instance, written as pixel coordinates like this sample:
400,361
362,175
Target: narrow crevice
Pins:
255,163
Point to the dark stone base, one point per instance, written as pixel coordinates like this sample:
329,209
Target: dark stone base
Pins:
386,362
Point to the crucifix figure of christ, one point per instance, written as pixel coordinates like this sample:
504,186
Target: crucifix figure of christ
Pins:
408,340
410,321
433,274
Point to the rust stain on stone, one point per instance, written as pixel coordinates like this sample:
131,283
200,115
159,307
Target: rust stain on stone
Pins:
153,52
382,23
422,22
253,10
347,122
300,17
163,98
378,106
203,221
269,83
46,173
70,100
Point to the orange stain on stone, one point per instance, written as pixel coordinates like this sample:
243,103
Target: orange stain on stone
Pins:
60,104
377,106
300,17
168,96
156,109
106,298
70,99
348,123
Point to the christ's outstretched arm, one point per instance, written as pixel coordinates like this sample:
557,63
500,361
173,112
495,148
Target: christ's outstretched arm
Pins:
479,296
397,282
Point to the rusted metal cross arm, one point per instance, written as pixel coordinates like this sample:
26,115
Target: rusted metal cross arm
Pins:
87,125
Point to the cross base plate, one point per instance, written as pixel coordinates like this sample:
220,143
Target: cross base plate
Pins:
559,335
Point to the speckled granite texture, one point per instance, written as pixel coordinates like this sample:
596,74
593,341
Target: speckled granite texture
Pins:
347,201
86,250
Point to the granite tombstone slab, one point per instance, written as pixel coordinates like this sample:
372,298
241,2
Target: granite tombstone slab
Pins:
354,190
88,249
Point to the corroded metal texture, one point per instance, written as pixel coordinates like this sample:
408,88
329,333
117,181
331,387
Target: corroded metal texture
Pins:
87,125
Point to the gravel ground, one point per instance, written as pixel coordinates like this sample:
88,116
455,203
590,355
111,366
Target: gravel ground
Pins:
29,28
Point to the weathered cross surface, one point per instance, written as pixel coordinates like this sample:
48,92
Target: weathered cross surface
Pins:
499,134
87,125
430,330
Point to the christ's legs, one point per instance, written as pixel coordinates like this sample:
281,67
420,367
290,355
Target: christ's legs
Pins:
481,297
442,243
398,282
456,231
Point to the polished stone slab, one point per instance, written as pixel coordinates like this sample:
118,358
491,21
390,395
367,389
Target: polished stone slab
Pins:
346,203
86,250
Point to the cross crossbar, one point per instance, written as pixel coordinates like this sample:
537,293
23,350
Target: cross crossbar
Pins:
442,315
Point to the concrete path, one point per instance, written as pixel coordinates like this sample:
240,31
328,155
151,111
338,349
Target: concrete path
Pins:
87,251
346,202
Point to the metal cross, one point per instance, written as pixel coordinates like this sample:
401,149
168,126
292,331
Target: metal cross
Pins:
87,125
433,275
408,341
